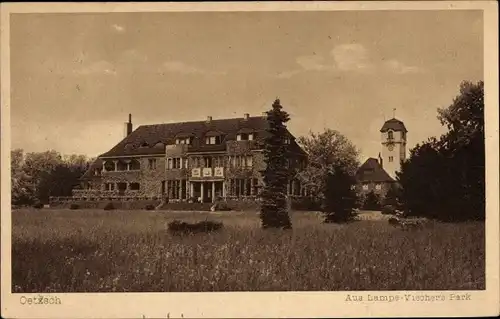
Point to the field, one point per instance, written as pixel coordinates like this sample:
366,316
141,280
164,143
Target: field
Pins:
131,251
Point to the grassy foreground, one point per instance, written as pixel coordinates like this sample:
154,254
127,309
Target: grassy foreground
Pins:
131,251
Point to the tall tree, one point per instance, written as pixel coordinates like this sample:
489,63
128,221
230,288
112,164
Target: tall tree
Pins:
340,198
22,192
329,151
445,178
393,196
274,207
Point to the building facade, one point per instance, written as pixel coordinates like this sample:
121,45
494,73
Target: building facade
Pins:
191,161
379,175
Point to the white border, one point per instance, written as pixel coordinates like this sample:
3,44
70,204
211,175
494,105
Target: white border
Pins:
259,304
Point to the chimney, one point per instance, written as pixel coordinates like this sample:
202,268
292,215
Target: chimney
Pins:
245,116
128,126
380,161
209,119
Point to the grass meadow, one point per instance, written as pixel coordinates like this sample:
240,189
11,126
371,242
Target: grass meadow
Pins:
131,251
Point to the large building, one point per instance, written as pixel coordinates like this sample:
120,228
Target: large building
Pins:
378,175
189,161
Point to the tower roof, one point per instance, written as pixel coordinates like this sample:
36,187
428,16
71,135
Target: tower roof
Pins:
393,124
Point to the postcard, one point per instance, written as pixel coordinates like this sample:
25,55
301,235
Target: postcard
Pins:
249,159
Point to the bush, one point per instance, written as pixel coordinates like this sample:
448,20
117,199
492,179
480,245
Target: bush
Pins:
178,227
388,210
38,205
221,206
372,201
109,206
74,206
150,207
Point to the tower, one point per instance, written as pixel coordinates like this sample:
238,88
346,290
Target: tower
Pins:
393,145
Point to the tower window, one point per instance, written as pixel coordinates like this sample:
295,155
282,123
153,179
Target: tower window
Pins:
391,158
390,135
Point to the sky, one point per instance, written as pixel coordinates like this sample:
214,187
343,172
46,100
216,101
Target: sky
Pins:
75,77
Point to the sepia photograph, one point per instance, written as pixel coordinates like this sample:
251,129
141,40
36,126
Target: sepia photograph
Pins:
249,159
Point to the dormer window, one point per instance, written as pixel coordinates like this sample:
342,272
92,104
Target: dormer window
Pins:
390,135
159,145
245,137
287,140
213,140
144,144
184,140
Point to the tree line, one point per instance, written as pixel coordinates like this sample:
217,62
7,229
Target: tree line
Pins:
35,176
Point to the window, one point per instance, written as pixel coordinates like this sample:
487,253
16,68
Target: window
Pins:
378,186
245,137
287,140
134,186
196,162
207,161
134,165
152,163
391,158
97,172
390,135
213,140
256,186
243,187
174,163
353,187
365,187
249,161
109,186
176,189
184,140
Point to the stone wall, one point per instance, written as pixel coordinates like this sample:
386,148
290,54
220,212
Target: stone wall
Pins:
151,179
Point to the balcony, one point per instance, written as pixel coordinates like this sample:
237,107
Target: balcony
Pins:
207,172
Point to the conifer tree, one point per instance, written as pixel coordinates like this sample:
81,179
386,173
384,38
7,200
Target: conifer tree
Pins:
372,201
274,208
340,198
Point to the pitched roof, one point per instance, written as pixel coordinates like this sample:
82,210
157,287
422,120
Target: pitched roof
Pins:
372,171
393,124
142,141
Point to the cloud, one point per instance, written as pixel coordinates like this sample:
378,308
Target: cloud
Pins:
312,63
351,57
98,67
287,74
401,68
307,63
183,68
118,28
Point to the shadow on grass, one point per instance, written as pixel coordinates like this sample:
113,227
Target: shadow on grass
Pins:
37,264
